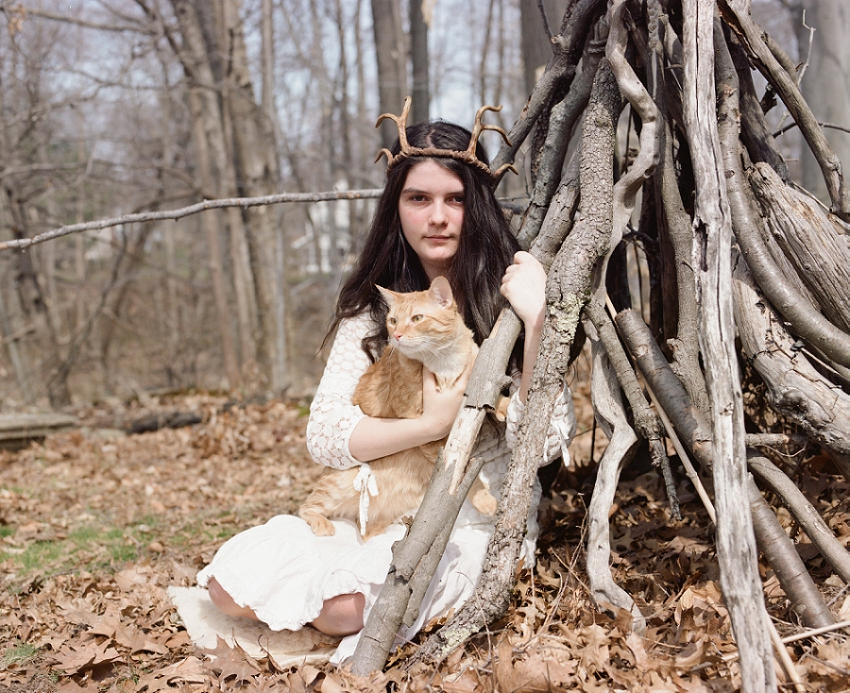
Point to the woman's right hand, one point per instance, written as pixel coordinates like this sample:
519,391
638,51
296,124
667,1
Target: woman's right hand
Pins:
439,409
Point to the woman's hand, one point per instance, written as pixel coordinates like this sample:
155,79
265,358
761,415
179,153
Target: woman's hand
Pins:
439,409
524,285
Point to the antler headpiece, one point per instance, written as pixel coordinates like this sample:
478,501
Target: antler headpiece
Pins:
467,155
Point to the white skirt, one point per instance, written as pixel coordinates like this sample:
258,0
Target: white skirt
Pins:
284,572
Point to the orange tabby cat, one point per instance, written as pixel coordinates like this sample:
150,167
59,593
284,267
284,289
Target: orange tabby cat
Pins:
425,328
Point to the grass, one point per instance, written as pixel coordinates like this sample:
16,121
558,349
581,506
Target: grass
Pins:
89,547
20,653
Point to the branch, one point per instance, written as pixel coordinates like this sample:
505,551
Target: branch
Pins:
809,239
568,288
415,560
545,19
243,202
806,516
622,443
794,387
736,547
559,73
562,119
782,556
684,346
645,421
807,322
44,14
755,134
736,13
831,126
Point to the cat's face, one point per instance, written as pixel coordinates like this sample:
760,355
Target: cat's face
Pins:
421,321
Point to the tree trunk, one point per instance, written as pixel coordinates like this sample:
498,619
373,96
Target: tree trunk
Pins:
419,60
391,54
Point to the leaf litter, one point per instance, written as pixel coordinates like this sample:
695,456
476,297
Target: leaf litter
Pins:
96,524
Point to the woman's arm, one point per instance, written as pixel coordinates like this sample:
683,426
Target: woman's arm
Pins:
373,438
524,285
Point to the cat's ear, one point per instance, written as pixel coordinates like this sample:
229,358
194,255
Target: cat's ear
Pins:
441,292
390,297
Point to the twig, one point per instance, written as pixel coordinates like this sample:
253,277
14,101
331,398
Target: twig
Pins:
812,633
683,455
791,126
545,19
841,625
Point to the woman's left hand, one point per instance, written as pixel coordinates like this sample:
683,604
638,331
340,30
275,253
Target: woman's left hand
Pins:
524,285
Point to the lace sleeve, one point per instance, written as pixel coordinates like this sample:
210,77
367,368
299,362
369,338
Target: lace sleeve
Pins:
332,415
562,426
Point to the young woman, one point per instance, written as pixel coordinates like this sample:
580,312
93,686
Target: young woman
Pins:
438,215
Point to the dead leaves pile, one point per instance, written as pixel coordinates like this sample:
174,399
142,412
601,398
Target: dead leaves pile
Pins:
95,525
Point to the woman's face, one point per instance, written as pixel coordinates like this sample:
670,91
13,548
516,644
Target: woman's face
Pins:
431,211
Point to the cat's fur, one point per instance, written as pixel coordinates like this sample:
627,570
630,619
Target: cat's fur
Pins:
425,328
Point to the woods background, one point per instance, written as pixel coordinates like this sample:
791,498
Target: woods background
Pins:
111,107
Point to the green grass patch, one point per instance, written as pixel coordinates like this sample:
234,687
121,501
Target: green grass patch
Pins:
19,653
89,547
201,532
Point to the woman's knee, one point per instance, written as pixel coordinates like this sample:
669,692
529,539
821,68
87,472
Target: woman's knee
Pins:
342,615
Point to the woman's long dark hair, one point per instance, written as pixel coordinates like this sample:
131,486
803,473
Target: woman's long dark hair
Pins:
485,249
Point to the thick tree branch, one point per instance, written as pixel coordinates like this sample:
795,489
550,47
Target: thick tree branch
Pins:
805,515
810,239
806,321
794,387
736,549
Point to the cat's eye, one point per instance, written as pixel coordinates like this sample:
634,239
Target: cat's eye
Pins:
416,318
391,321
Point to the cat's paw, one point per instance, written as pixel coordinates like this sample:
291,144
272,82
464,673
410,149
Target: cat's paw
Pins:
321,526
484,502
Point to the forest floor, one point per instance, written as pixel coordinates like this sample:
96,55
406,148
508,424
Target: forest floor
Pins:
95,524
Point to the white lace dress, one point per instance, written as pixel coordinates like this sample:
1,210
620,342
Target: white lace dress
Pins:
284,572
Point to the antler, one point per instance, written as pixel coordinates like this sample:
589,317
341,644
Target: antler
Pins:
480,127
467,155
401,124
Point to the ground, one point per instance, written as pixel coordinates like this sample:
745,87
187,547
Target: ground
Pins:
95,524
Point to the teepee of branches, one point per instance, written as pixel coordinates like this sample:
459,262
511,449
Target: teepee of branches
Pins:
750,277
